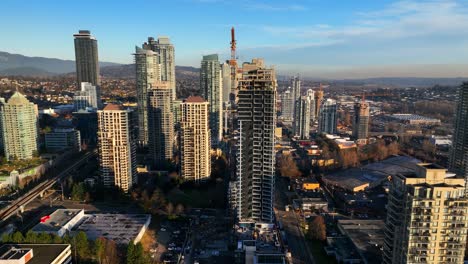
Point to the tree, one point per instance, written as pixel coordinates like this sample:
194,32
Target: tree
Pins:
158,199
131,253
139,254
318,229
288,167
17,237
110,253
82,244
31,237
179,209
6,238
43,238
99,248
78,192
348,158
170,208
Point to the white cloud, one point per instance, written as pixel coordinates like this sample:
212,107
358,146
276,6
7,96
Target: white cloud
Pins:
400,19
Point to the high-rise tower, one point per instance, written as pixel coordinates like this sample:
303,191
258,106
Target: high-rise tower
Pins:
86,58
19,125
361,120
211,90
166,58
318,100
426,217
195,139
160,123
458,161
328,117
117,147
255,154
301,122
287,105
88,97
148,72
311,95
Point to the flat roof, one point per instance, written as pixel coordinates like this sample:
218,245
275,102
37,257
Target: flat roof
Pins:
122,228
56,220
367,236
42,253
373,172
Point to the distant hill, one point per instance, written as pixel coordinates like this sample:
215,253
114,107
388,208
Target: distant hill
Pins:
16,64
405,81
128,71
26,71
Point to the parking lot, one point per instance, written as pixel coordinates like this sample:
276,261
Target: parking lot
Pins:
172,239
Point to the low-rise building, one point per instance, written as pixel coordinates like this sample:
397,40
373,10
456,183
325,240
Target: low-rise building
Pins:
310,184
63,138
35,254
121,228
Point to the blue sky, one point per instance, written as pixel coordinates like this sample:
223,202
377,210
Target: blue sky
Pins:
320,38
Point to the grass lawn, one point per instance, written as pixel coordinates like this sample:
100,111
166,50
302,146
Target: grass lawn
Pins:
320,256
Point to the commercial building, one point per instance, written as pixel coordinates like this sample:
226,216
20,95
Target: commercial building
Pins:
265,249
160,123
255,151
371,175
86,58
19,127
426,217
301,123
211,83
59,222
166,58
458,161
361,121
362,241
328,117
412,119
310,184
121,228
148,72
62,138
195,139
35,254
88,97
117,147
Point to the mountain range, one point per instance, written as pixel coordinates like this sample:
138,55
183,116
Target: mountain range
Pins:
20,65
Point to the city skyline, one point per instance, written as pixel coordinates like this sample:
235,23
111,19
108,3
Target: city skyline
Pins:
387,39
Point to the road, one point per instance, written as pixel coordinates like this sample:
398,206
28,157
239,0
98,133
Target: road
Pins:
14,206
300,252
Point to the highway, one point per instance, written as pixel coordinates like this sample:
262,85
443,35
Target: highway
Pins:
297,243
13,207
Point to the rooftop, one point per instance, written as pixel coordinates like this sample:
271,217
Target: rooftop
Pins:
194,99
56,220
122,228
113,107
372,173
42,253
366,235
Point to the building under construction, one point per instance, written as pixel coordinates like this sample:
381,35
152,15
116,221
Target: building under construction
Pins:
256,109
